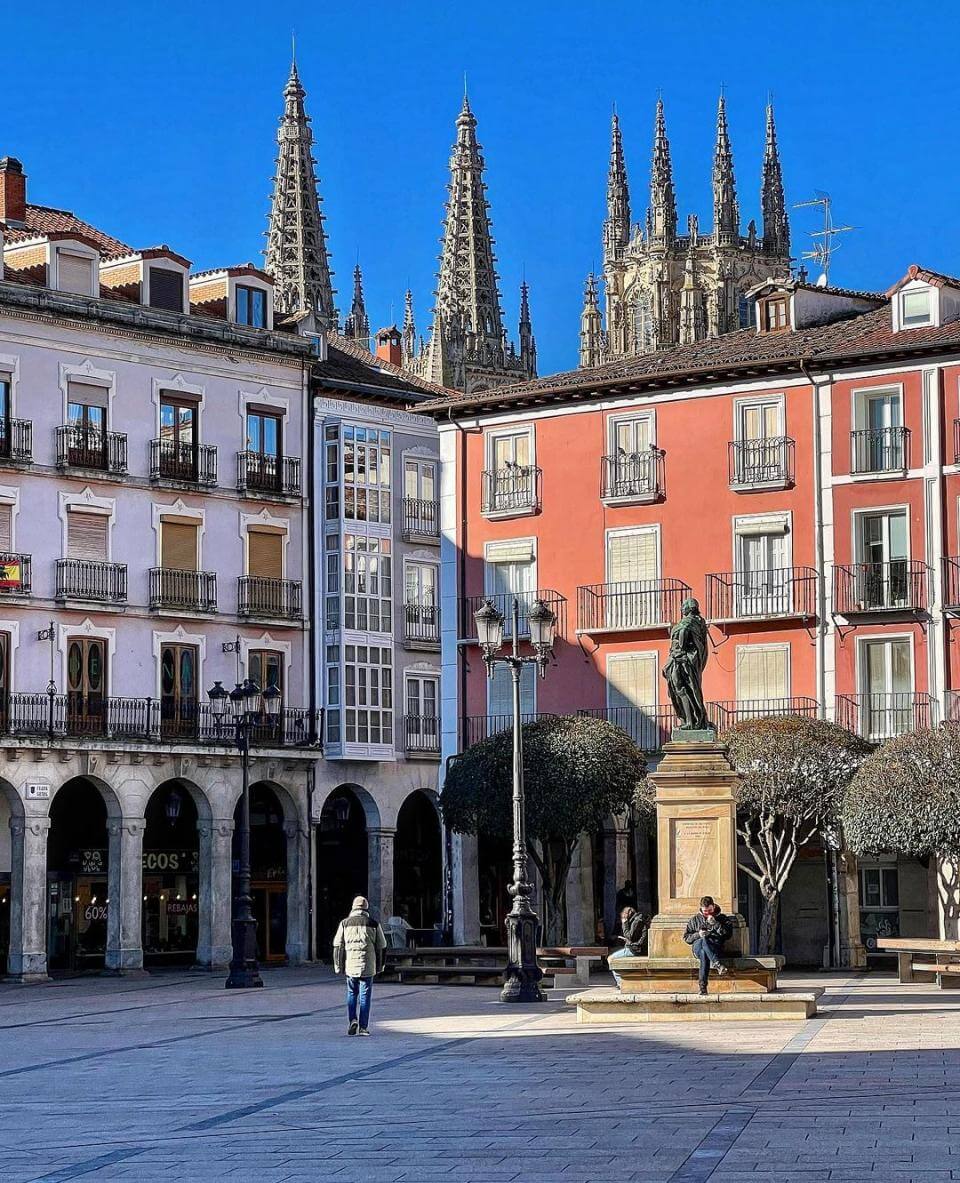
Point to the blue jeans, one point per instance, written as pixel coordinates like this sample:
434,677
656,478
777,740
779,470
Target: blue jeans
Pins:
707,953
359,988
624,952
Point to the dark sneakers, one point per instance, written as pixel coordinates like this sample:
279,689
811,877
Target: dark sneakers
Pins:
363,1031
352,1029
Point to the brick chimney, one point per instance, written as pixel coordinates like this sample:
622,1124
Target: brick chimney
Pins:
13,190
389,345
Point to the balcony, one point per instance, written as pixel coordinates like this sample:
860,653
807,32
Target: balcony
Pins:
630,607
474,728
279,599
16,575
761,464
421,625
85,579
421,520
186,464
503,603
258,472
899,585
881,716
725,715
884,450
146,720
85,447
951,583
632,477
511,491
762,595
421,735
16,441
193,591
956,441
648,727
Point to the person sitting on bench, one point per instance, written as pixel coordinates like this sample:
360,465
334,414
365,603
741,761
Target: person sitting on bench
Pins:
706,933
633,925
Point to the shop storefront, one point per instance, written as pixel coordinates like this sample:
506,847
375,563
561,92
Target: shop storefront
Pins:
171,879
77,903
268,867
4,919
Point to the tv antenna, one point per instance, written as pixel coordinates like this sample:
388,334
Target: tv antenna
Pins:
825,240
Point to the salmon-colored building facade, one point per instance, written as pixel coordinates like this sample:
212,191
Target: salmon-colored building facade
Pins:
800,479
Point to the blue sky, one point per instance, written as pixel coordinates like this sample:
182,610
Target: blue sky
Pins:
157,121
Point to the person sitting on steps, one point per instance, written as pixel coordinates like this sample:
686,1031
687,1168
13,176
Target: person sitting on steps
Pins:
706,933
633,925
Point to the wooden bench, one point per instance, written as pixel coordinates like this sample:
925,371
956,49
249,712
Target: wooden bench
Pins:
583,957
922,959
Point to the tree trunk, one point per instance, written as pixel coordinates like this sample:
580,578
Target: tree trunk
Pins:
773,843
553,876
767,936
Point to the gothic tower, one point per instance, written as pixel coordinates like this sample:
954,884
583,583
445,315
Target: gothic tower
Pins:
357,326
662,288
467,347
409,335
296,254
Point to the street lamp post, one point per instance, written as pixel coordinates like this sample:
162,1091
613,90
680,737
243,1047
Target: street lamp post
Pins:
248,706
522,978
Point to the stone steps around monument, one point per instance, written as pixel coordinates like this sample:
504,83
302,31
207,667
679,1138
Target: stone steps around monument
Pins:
671,975
611,1006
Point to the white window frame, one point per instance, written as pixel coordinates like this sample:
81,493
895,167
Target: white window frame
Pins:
413,561
651,655
861,395
861,665
490,441
775,517
77,250
87,502
872,511
620,417
744,402
623,531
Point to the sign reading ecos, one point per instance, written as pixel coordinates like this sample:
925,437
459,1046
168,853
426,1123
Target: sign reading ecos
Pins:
177,862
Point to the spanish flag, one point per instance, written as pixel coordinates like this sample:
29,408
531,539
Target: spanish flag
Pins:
10,574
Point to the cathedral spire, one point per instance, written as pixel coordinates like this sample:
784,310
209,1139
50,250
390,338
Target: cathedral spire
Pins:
409,336
296,254
726,212
662,216
528,343
357,326
616,229
591,325
776,227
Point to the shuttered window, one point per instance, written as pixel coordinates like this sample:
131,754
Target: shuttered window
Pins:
75,273
264,554
632,680
500,691
632,556
86,395
166,289
178,546
6,528
762,673
87,536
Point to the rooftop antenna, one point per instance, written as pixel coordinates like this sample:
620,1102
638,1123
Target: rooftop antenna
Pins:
825,240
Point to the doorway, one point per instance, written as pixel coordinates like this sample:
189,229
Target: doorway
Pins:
77,879
268,871
418,866
171,879
342,863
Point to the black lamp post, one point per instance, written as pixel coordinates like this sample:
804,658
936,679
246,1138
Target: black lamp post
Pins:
248,706
522,978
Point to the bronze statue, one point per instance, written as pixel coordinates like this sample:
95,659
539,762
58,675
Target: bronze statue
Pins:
684,668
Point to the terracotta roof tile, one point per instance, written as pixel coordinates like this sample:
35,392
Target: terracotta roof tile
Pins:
42,219
349,361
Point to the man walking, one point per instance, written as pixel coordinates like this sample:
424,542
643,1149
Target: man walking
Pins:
706,933
358,951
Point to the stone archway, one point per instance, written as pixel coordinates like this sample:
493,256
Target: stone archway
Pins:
12,879
344,858
171,895
418,864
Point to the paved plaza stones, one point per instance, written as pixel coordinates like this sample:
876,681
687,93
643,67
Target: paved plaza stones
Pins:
172,1078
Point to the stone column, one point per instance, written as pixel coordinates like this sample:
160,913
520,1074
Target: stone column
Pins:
853,954
466,890
215,941
948,899
579,897
298,905
27,959
125,885
380,876
616,871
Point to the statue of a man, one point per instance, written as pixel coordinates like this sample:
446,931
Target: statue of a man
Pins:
684,668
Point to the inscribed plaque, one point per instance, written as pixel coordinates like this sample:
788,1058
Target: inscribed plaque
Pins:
695,861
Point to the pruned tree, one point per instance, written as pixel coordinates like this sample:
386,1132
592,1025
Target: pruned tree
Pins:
793,774
905,799
577,771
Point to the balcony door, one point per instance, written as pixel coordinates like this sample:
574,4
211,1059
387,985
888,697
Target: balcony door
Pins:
86,684
632,697
179,438
500,697
422,729
882,579
263,445
634,464
178,690
886,688
763,575
760,457
420,601
508,578
880,446
420,479
763,678
633,595
511,457
87,420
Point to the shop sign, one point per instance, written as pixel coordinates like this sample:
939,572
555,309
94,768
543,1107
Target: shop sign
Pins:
95,912
182,908
176,861
93,862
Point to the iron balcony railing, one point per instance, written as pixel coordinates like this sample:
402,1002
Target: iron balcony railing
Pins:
515,488
648,727
727,714
16,440
474,728
886,449
421,624
192,590
173,460
956,441
880,716
84,579
87,447
16,575
636,604
147,720
755,463
278,598
421,518
951,582
503,602
952,706
421,733
752,595
259,472
632,476
897,585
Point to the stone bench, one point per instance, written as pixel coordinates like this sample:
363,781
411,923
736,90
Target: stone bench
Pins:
745,975
609,1005
583,956
922,959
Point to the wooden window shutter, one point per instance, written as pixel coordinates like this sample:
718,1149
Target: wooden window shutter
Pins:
6,528
761,674
264,554
632,680
178,546
87,536
632,557
166,289
76,273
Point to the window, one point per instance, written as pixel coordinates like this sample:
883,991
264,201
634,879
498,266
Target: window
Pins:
763,673
420,479
420,584
179,437
511,449
178,689
331,468
633,594
886,688
86,684
366,474
632,696
367,571
265,667
75,273
642,323
422,696
87,536
773,314
744,319
368,694
759,450
251,307
166,289
510,480
178,545
879,901
332,585
265,554
883,574
509,571
916,308
263,433
6,528
631,466
500,695
764,584
879,441
87,425
331,714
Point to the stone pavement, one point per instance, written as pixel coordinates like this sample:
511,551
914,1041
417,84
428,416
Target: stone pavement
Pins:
173,1078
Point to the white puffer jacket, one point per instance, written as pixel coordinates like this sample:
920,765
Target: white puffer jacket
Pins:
359,945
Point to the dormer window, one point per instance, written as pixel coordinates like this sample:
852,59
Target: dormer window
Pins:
773,314
251,307
74,273
165,288
916,308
